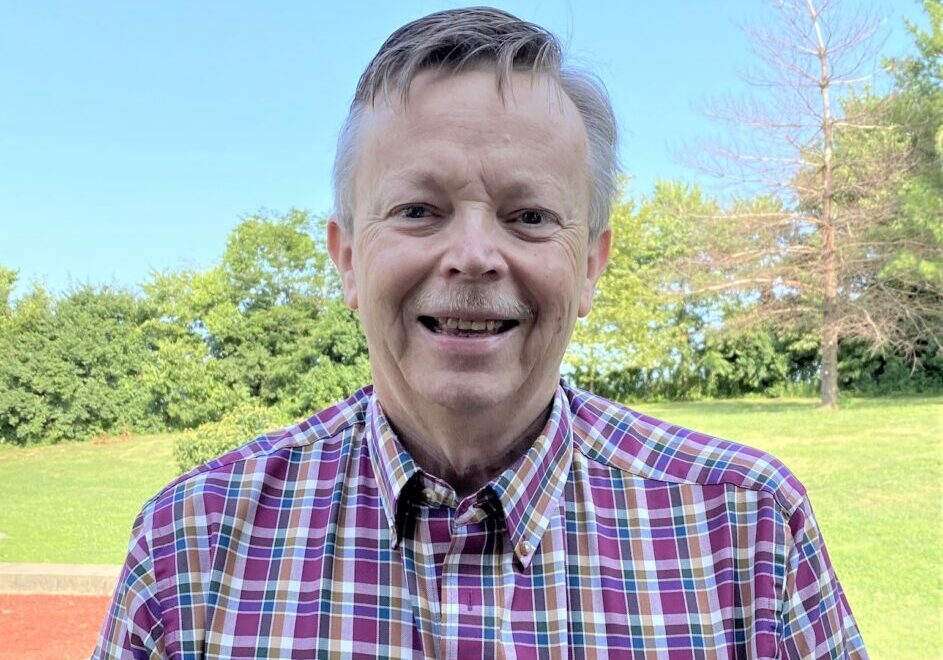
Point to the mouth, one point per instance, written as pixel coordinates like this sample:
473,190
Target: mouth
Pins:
457,327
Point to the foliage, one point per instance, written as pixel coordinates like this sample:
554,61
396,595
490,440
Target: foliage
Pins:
915,264
266,326
642,323
664,330
187,384
240,425
70,368
7,280
756,361
864,372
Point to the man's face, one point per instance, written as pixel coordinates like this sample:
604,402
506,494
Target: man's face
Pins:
469,257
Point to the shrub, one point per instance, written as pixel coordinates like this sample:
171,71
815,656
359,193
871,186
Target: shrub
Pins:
240,425
70,367
877,374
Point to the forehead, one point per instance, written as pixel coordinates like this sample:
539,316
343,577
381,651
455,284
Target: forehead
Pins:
462,121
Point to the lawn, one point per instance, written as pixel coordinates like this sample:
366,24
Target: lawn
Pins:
874,471
75,502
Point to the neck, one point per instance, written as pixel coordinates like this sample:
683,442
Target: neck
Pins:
470,448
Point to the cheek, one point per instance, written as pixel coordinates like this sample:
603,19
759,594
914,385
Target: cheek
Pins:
559,298
389,272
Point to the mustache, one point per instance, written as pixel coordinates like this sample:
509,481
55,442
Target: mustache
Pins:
474,299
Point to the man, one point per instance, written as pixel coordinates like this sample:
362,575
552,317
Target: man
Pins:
469,504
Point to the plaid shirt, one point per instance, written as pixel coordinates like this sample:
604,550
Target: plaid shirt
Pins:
615,536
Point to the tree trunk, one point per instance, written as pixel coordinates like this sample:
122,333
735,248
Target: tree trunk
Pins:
829,366
830,315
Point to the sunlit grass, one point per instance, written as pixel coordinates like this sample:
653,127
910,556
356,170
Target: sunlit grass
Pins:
75,502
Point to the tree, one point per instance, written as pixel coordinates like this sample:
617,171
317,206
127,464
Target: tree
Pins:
915,265
819,162
642,334
70,367
7,280
186,383
267,326
26,368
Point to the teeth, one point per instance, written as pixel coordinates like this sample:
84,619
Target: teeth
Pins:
451,323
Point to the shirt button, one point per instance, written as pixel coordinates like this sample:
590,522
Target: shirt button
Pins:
525,548
429,494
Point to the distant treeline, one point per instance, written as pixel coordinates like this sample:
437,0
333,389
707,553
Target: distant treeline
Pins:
266,329
265,326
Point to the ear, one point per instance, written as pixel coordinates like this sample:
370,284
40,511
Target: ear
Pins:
339,247
596,259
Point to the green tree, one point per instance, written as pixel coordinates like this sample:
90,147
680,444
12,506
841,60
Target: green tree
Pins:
285,331
71,367
7,281
27,370
642,333
266,326
914,240
187,384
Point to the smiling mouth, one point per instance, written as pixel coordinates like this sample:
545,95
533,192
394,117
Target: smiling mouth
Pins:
466,328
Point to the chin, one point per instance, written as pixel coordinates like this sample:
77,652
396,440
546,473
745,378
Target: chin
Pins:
463,393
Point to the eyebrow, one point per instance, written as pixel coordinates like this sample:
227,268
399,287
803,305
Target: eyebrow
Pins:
415,178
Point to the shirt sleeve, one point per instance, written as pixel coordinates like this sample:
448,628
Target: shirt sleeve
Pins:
133,627
816,619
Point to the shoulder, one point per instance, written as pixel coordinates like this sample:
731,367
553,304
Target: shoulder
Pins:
315,447
623,439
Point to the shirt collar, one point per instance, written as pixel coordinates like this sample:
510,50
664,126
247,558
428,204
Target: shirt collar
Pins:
528,491
531,489
393,466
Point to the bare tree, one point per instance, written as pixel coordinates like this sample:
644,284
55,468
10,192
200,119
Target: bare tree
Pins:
816,163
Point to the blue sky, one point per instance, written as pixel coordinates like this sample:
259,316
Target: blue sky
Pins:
133,135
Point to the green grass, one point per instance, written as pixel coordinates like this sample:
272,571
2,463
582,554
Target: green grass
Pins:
874,472
75,502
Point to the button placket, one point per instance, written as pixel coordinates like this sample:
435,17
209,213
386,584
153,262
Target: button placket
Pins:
449,596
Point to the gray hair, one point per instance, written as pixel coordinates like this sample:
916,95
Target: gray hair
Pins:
459,39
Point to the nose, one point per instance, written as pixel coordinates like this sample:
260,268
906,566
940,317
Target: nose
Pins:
473,249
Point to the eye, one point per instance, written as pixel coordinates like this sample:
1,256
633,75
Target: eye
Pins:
532,217
412,212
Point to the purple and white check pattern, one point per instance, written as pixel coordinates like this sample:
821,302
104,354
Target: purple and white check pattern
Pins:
615,536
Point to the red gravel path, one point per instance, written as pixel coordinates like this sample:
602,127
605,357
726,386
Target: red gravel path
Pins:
44,627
